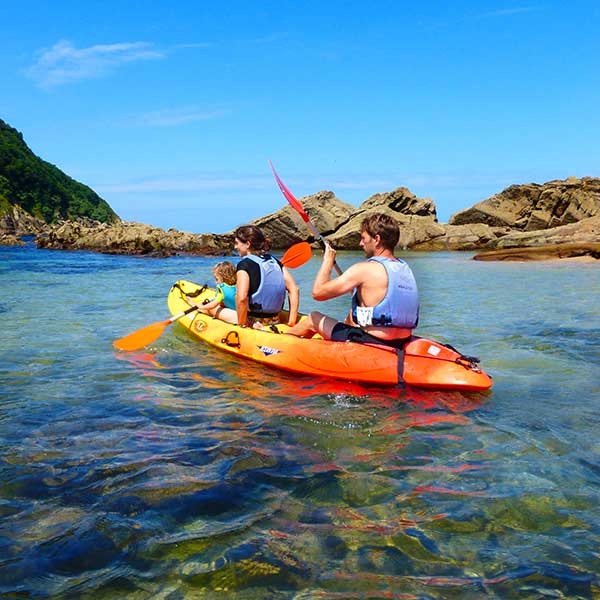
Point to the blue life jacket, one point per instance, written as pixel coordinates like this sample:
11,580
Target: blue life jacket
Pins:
228,293
269,297
400,305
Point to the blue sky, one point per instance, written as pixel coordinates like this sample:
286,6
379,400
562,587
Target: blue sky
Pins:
171,110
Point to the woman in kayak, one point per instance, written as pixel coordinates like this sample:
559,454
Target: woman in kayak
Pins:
261,282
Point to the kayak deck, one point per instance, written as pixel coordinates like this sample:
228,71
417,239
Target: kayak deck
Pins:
422,363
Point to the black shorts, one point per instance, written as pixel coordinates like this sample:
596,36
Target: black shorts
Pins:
342,332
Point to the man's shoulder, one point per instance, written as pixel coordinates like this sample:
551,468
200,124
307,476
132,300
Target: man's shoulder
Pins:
367,265
364,270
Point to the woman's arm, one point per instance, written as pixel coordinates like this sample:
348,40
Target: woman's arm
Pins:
293,294
242,301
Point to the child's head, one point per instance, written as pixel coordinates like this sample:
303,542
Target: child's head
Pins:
224,272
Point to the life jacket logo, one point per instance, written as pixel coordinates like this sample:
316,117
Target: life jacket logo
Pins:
268,351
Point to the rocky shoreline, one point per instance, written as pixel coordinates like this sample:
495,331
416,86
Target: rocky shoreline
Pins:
557,219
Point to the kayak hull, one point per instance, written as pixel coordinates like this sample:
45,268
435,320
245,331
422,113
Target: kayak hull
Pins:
422,363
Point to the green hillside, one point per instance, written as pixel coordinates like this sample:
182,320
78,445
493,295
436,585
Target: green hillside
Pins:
42,189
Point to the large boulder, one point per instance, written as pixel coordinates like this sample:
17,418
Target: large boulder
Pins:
532,206
416,216
285,226
401,201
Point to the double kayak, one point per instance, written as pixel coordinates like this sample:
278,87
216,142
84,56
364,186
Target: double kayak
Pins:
421,362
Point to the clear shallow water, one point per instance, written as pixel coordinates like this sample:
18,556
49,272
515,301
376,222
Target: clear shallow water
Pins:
179,472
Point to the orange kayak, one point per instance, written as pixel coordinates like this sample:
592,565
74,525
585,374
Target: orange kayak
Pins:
421,363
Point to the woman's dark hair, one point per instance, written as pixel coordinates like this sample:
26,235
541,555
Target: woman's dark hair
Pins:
259,242
383,225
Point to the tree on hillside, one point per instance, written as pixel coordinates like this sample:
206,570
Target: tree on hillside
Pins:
41,188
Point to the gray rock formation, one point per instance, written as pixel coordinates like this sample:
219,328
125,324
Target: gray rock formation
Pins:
17,222
8,239
533,207
460,237
401,201
131,238
586,231
589,251
556,213
417,218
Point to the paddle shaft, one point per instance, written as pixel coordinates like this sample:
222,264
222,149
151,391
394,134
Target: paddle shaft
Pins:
185,312
295,204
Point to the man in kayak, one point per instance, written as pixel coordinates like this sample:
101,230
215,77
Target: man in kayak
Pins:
261,282
385,300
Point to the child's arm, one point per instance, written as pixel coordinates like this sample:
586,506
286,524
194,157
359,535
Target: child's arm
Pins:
214,302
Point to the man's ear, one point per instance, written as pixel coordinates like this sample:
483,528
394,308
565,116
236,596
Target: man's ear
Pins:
377,239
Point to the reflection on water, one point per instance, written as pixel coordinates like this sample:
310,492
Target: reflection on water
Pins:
180,472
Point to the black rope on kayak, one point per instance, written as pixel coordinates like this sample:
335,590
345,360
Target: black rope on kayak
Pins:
190,294
235,343
464,357
469,362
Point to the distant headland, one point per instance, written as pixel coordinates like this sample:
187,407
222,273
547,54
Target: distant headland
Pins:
556,219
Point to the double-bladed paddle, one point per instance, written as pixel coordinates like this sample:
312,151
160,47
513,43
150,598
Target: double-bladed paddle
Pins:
300,210
295,256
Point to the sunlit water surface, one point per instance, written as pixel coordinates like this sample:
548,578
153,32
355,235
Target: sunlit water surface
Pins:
180,472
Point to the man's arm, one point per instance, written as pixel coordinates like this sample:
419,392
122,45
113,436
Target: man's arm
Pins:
325,288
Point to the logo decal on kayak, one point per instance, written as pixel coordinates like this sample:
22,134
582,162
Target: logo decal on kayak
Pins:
268,351
200,325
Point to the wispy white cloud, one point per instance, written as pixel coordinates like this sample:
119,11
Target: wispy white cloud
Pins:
64,63
507,12
171,117
267,39
192,45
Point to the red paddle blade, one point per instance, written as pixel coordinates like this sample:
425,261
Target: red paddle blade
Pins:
289,196
297,255
142,337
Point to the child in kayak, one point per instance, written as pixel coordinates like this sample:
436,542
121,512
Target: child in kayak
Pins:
224,275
